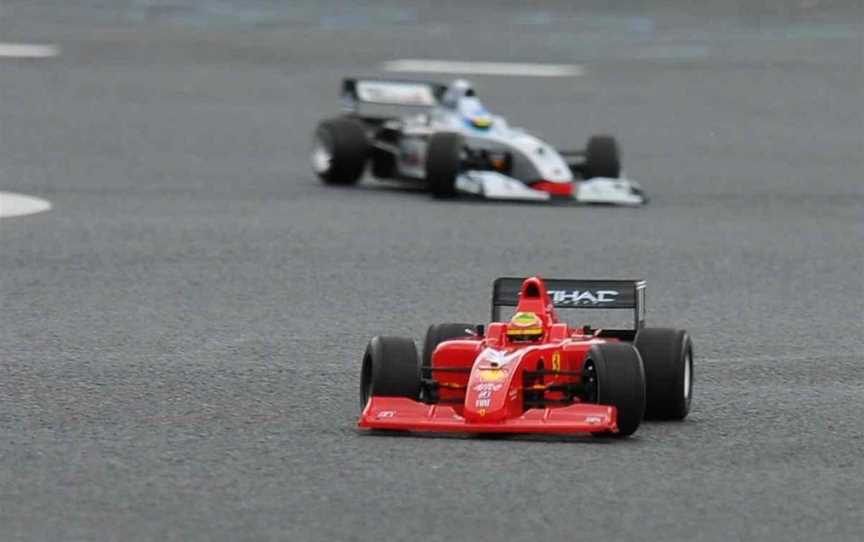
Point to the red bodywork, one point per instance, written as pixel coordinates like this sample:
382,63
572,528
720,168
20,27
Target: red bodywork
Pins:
491,384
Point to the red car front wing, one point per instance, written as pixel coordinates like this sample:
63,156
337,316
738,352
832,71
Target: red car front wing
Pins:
397,413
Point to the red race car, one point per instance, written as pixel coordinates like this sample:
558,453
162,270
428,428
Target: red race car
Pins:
533,373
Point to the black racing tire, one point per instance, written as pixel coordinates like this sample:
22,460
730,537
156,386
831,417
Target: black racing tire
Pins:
438,333
390,369
668,358
613,375
602,158
345,148
443,162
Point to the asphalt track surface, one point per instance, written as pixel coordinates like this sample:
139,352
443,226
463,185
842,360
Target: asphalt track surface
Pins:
181,334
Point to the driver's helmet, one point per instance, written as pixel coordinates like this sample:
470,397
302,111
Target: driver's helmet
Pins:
460,96
456,91
525,326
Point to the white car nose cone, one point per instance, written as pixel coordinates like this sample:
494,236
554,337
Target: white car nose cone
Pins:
12,204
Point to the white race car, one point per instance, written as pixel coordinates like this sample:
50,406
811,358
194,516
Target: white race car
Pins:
454,145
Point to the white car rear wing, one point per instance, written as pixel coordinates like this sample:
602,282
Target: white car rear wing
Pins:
391,92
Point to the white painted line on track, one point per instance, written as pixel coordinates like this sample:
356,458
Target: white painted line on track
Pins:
483,68
28,50
12,204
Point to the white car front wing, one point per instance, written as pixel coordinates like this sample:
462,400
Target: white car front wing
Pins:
602,190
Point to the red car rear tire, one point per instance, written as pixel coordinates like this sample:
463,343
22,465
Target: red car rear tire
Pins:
438,333
668,358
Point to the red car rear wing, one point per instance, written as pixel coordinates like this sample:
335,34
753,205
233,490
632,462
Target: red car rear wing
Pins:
577,294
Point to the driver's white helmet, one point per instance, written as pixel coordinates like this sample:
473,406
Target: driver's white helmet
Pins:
460,88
